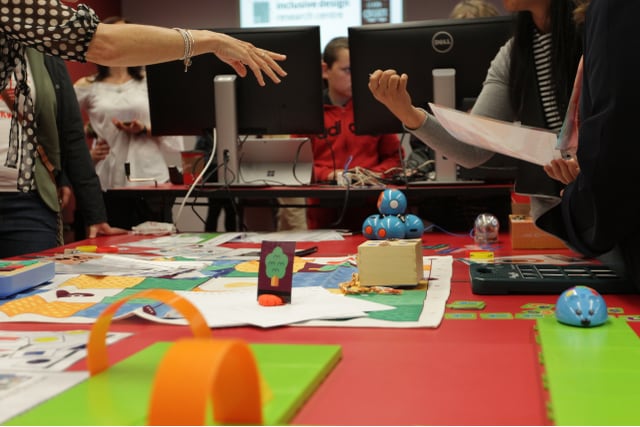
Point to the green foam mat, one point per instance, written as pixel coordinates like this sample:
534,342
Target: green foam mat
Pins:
592,374
120,395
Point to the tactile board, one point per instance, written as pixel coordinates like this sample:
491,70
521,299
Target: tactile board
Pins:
591,373
492,279
120,395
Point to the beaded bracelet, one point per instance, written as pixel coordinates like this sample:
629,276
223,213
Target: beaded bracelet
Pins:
189,44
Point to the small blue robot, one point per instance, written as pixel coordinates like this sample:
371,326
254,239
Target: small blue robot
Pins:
390,227
370,225
581,306
392,202
391,222
414,227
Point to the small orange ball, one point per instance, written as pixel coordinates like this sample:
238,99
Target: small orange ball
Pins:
270,300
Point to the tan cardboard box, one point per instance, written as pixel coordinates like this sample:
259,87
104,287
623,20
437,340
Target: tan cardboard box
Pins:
520,205
390,262
525,235
520,208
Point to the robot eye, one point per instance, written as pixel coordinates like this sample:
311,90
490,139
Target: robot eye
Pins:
578,311
591,311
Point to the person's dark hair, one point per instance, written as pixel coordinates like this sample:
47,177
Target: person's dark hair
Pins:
137,73
330,54
566,49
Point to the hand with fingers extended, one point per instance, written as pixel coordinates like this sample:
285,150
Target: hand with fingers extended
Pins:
240,55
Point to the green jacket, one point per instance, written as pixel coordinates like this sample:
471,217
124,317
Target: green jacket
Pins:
60,132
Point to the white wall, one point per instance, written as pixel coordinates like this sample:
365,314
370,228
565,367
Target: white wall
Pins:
225,13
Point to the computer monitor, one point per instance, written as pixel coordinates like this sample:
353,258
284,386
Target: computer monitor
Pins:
184,103
460,50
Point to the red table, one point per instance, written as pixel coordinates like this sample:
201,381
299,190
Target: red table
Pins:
465,372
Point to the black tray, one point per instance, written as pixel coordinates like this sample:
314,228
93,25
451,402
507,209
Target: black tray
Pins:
497,279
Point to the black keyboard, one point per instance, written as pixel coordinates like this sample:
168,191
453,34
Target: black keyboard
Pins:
497,279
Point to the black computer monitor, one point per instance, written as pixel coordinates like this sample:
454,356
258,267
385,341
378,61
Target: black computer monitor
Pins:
182,103
466,46
417,48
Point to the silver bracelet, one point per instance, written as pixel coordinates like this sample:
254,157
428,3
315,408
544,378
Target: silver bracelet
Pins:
189,45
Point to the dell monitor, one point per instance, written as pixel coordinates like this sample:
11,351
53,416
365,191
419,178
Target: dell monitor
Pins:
446,61
184,103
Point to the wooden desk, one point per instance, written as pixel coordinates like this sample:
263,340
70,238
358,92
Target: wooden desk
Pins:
465,372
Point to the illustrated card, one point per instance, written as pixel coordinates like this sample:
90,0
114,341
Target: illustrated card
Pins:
275,272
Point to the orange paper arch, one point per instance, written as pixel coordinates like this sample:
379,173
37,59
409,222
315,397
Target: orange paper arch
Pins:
196,370
192,371
97,357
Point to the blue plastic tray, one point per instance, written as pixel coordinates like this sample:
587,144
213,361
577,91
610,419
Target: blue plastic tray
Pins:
17,276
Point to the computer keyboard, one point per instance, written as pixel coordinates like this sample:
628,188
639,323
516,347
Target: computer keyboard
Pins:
495,279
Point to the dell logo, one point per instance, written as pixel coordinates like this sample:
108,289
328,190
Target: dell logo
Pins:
442,42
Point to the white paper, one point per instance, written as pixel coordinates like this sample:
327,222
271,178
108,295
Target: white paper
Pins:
123,265
292,236
533,145
438,292
45,350
22,390
240,307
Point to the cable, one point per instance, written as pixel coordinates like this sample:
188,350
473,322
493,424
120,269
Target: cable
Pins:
343,210
434,226
196,180
295,162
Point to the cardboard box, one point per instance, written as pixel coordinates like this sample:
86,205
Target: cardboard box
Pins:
390,262
520,205
525,235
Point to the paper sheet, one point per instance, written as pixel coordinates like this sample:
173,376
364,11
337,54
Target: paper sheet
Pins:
532,145
22,390
434,305
234,308
45,350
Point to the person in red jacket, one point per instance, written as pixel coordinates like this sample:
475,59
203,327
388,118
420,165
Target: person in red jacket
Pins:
339,151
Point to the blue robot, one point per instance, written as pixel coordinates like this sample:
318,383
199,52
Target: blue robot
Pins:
391,222
370,225
392,202
581,306
414,227
390,227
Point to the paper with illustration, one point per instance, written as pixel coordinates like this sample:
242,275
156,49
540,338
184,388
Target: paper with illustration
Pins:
530,144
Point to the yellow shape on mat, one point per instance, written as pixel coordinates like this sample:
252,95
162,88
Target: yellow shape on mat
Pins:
37,305
85,281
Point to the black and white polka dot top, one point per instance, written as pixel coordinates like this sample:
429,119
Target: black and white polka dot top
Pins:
50,27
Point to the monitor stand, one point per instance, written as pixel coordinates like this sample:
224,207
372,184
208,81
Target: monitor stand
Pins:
248,164
444,93
226,128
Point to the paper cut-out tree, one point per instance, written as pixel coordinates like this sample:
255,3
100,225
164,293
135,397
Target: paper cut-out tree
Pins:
276,265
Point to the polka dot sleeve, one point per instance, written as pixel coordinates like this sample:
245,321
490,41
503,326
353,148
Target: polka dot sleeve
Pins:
48,26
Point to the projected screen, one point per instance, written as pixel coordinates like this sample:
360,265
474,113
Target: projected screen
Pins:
333,16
